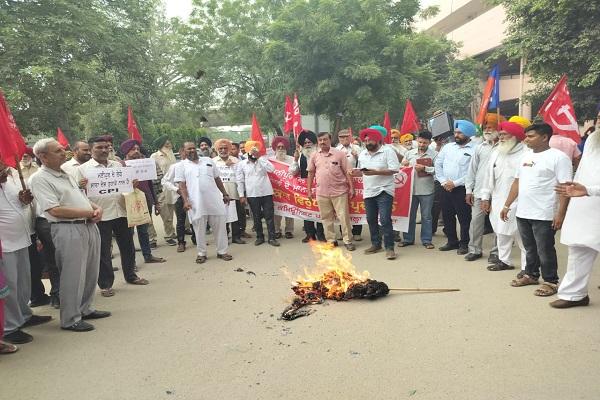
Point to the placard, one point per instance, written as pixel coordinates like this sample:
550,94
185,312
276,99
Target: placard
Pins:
108,181
144,169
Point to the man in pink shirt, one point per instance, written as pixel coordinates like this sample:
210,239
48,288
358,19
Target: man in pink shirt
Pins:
567,146
334,188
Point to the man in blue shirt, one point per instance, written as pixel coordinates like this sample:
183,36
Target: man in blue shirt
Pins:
451,167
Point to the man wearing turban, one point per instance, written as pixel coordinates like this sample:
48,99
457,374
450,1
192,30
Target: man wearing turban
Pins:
502,168
164,158
280,146
28,167
204,146
474,182
306,147
451,167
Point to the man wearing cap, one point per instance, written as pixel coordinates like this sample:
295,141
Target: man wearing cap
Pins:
73,218
204,146
352,151
503,164
281,145
131,150
15,235
255,187
305,149
227,165
334,189
540,211
81,154
478,169
378,164
113,221
164,158
451,167
28,167
204,199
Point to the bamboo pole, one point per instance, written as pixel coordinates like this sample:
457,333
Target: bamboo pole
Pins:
435,290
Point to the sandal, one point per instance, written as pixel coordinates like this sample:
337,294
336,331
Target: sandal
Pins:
154,260
107,292
524,281
7,348
546,289
139,281
225,257
200,259
429,246
500,266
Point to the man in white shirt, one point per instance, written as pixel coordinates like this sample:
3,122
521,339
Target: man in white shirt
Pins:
15,235
352,152
227,165
204,198
280,146
114,221
164,158
255,187
538,216
378,164
81,154
567,146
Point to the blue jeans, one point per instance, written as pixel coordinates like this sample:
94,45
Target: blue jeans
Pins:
426,203
144,239
379,211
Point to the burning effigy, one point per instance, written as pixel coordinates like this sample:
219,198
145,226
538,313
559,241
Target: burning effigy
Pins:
334,278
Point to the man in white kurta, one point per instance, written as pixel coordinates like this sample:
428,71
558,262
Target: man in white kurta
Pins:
581,228
503,164
204,199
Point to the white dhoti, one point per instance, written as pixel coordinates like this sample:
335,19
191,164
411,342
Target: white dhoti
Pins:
217,224
505,245
579,268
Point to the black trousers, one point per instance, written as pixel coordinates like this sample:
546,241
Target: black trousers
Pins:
38,292
263,207
181,215
315,230
540,253
437,206
124,238
42,230
454,206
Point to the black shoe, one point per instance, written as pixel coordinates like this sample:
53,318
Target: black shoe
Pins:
289,235
171,242
80,326
44,300
334,243
238,241
188,232
462,251
448,247
308,238
259,241
97,315
493,259
278,235
37,320
472,257
274,242
18,337
55,302
321,238
153,244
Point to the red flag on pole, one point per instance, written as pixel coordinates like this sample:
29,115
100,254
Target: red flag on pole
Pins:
61,138
388,127
558,111
410,121
12,144
132,128
288,120
256,135
296,118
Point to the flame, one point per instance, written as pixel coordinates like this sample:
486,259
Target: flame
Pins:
333,275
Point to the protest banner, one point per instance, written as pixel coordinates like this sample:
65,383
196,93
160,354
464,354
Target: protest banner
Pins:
290,198
108,181
144,169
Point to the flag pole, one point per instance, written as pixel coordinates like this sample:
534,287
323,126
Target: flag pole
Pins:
18,167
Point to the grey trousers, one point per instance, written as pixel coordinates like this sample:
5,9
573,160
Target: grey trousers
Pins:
15,266
78,260
476,229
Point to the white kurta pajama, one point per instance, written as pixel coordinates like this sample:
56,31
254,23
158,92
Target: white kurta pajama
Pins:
496,186
206,200
581,228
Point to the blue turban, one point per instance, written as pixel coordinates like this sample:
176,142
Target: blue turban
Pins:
466,127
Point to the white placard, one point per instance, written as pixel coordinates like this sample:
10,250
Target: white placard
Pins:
108,181
144,169
231,212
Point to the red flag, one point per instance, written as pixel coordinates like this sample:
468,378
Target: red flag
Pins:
132,128
558,112
256,135
410,121
296,118
61,138
388,127
12,144
288,120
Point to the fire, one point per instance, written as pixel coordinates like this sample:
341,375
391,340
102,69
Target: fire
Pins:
333,275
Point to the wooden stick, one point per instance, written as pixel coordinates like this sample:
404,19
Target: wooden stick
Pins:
424,290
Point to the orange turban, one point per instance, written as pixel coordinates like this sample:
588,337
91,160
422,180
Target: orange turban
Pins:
492,120
396,133
406,137
250,144
223,141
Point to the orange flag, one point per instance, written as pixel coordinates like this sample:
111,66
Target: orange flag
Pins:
61,138
256,135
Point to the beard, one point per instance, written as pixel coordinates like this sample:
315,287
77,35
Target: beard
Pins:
506,146
280,155
307,152
168,152
490,137
407,146
371,146
204,153
192,156
26,163
461,140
